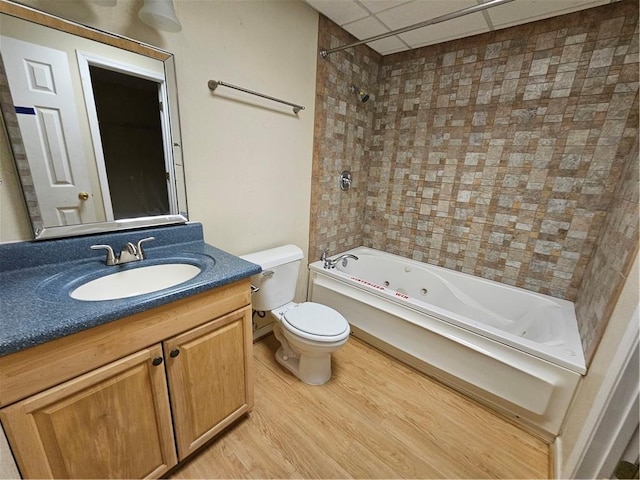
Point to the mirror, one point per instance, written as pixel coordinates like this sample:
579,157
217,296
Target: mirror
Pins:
92,120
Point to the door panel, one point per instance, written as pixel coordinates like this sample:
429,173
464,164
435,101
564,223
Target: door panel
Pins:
114,422
42,91
209,378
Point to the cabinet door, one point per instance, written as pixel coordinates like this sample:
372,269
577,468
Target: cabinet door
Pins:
113,422
210,373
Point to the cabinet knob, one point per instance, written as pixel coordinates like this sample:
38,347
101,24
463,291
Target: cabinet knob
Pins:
174,353
156,361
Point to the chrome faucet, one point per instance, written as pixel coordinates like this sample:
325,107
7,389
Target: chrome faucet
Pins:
331,263
129,253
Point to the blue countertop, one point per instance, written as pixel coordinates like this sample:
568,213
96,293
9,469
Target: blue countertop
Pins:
37,277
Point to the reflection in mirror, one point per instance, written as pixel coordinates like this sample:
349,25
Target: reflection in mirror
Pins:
93,127
129,128
131,134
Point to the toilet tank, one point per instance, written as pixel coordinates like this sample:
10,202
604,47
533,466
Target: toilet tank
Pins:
279,276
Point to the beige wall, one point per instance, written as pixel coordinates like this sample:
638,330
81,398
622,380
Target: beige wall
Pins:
572,435
247,160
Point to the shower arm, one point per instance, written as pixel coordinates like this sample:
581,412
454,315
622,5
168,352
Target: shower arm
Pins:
433,21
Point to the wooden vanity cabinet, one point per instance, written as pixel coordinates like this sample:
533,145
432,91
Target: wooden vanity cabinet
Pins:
209,378
139,414
114,422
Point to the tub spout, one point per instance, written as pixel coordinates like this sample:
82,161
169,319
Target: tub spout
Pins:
331,263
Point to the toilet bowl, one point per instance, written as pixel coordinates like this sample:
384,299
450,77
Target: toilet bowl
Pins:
308,332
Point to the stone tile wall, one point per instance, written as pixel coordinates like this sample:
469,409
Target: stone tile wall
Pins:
343,126
498,155
609,266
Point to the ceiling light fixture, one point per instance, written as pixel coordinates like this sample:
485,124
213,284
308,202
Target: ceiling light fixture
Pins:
160,15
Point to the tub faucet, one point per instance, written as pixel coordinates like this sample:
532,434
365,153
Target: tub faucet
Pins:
323,257
331,263
129,253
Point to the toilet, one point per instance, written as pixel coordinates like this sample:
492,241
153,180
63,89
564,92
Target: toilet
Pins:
308,332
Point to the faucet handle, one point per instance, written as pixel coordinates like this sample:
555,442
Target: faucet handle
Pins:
111,257
131,248
139,250
323,257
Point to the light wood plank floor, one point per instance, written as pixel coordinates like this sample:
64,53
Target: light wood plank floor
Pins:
375,418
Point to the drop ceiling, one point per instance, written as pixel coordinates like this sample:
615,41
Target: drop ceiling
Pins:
368,18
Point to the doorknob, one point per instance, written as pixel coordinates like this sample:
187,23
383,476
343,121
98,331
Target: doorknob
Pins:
83,196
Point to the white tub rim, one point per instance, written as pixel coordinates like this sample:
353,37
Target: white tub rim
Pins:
569,356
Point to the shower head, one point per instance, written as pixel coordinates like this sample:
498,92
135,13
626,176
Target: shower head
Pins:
364,97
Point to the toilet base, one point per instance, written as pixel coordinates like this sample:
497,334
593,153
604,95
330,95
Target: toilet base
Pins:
308,360
312,370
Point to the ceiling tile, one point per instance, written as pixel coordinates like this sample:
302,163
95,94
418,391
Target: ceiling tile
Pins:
366,27
388,45
518,12
375,6
339,11
367,18
471,24
370,27
420,11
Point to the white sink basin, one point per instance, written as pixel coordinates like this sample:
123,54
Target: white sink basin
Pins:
135,281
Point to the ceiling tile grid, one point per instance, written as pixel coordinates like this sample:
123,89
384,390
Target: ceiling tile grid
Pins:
368,18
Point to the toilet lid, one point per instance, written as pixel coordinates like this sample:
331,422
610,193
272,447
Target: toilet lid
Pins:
316,319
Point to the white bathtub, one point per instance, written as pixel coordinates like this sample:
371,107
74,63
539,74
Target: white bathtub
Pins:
515,350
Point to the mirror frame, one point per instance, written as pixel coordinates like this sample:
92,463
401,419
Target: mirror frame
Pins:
40,231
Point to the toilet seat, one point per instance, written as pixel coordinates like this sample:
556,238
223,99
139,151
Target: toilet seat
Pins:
316,322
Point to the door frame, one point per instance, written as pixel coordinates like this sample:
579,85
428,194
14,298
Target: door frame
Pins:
613,417
85,60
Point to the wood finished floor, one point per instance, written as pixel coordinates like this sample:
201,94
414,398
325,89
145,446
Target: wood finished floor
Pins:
375,418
